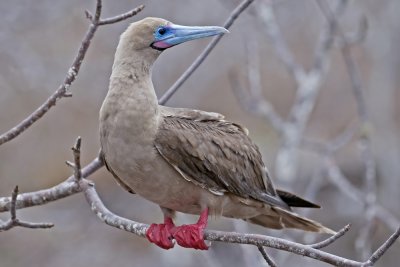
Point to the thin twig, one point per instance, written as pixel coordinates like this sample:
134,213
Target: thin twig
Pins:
14,221
189,71
331,146
121,17
338,179
267,16
254,101
76,150
383,248
70,77
62,190
331,239
365,138
266,257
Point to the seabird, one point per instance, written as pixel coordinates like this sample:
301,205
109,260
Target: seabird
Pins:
184,160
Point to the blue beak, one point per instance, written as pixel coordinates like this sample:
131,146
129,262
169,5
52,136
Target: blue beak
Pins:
171,34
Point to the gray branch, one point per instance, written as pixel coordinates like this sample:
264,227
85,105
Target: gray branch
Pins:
14,221
189,71
74,185
63,89
266,257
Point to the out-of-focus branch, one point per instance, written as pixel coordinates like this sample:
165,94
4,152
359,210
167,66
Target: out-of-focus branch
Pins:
338,179
308,87
189,71
365,146
330,147
252,99
14,221
305,100
267,17
63,89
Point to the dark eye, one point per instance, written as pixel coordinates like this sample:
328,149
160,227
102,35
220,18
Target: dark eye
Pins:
161,31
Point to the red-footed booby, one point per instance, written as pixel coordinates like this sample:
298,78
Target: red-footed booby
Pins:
184,160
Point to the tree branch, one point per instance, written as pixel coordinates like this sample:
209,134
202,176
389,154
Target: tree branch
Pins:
268,19
252,99
63,89
331,239
65,189
140,229
121,17
75,184
14,221
189,71
266,257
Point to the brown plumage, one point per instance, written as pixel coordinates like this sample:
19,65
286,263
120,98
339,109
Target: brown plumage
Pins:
217,155
184,160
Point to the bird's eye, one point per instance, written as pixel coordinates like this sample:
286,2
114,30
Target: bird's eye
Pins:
162,31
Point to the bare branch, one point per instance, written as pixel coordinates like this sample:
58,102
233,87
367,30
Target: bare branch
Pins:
73,185
72,73
356,37
331,146
331,239
62,190
255,104
121,17
76,150
266,257
365,139
338,179
140,229
14,221
267,16
382,249
189,71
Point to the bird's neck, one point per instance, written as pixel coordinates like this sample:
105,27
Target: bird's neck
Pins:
131,103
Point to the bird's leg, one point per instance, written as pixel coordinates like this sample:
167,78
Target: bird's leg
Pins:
160,234
191,235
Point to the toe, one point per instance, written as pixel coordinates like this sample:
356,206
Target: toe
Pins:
159,234
189,236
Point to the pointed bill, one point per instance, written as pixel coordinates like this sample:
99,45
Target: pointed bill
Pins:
172,34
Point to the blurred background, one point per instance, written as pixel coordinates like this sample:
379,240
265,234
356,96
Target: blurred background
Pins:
38,41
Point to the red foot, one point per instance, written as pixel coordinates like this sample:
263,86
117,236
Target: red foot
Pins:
191,235
160,234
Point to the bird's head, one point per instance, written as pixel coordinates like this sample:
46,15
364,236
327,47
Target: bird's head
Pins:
151,36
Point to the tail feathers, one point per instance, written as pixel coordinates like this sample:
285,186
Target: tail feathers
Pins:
287,219
295,201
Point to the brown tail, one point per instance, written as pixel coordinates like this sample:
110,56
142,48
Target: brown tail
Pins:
287,219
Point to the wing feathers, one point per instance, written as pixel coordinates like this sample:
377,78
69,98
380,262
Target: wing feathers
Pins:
217,155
